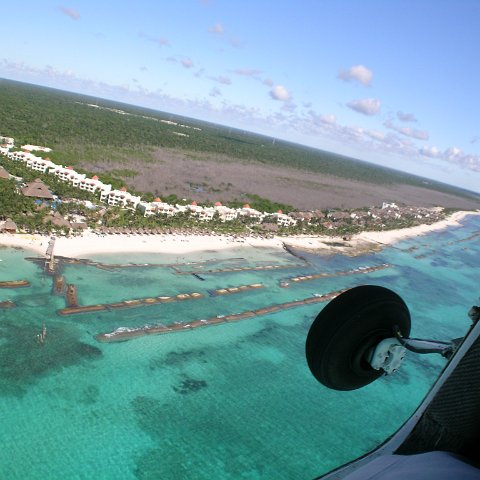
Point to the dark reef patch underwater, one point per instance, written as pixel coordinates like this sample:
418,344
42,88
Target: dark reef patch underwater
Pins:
24,361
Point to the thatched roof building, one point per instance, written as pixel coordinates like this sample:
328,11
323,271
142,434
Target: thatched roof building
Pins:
4,173
37,189
57,220
8,226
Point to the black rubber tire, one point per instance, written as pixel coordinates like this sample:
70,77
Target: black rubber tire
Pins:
345,331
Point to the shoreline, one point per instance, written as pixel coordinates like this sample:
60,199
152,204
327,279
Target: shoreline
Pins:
371,241
91,243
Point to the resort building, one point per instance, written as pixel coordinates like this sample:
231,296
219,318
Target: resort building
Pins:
284,220
37,189
247,211
57,220
120,198
35,147
67,174
225,213
206,214
156,207
182,208
194,209
4,174
8,142
389,205
8,226
39,164
21,156
93,184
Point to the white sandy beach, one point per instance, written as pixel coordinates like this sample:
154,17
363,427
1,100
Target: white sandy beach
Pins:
92,243
367,241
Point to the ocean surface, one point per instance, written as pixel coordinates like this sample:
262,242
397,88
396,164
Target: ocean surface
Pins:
231,401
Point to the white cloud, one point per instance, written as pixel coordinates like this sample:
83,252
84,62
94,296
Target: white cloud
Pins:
408,131
224,80
427,151
70,12
375,134
452,153
279,92
367,106
406,117
217,29
215,92
268,82
187,62
411,132
357,73
472,162
247,72
289,107
328,119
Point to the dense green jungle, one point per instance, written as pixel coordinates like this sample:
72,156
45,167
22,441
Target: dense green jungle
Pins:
82,129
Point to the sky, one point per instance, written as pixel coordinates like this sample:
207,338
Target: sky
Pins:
393,82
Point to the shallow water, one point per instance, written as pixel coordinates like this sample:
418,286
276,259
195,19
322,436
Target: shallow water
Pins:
228,401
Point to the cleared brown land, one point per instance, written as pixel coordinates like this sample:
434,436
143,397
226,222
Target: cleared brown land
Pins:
207,178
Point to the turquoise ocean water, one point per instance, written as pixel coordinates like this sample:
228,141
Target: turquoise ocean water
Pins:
230,401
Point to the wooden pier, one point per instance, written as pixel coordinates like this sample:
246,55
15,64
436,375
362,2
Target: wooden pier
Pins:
50,258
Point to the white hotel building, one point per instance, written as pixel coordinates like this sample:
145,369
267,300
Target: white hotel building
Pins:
206,214
9,142
226,214
68,174
157,207
125,199
39,164
284,220
120,198
21,156
247,211
31,161
93,184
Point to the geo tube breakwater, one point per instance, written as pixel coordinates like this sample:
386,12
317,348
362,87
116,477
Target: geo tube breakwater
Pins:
124,333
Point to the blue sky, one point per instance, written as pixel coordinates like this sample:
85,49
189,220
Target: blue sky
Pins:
391,82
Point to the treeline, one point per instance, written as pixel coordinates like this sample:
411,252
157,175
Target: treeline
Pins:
79,133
